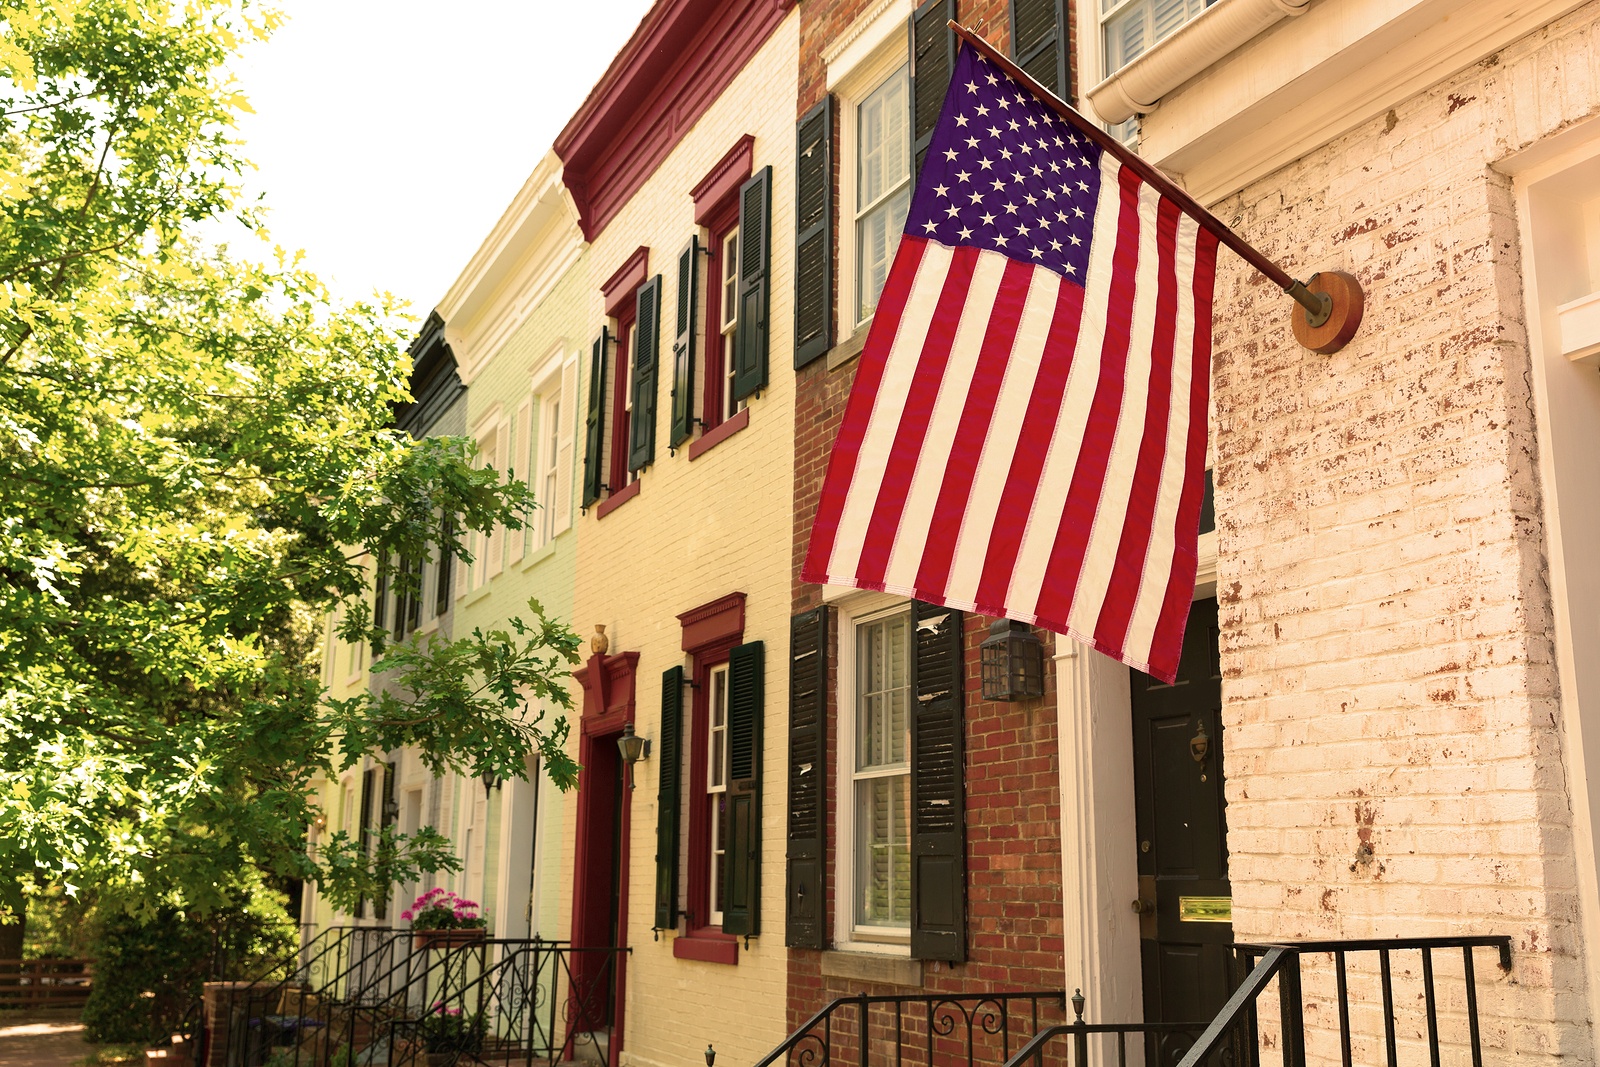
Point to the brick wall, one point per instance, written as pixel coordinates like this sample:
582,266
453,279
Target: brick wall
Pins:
1394,749
1014,935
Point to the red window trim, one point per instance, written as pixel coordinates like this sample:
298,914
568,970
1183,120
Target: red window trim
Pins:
723,180
723,219
709,634
617,472
712,438
619,289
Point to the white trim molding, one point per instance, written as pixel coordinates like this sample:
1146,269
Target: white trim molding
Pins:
1218,30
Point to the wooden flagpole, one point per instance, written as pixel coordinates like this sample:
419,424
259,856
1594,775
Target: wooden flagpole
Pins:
1333,302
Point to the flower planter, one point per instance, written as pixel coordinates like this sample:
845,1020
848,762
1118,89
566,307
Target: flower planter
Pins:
443,1059
447,939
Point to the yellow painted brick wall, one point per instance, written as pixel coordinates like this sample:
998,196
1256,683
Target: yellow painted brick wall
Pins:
695,532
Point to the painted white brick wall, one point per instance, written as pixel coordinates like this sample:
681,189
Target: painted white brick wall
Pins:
1393,740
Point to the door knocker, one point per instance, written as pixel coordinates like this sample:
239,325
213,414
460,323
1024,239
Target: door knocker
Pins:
1199,745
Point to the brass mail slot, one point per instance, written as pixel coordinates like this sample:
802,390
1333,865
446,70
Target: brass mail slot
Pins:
1205,909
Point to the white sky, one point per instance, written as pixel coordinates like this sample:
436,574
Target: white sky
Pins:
389,135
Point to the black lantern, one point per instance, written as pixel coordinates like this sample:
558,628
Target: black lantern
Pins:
711,1056
633,747
1013,662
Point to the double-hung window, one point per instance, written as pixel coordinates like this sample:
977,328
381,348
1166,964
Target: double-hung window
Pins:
549,447
728,327
627,340
881,776
883,185
716,798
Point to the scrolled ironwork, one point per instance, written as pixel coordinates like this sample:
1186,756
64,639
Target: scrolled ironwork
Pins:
809,1050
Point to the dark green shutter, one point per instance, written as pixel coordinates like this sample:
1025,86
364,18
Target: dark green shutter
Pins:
813,234
669,798
755,262
646,353
380,603
684,343
441,589
1037,42
938,786
364,831
594,478
808,794
933,57
741,892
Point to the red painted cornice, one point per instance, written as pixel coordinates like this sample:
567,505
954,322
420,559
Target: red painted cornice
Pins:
682,56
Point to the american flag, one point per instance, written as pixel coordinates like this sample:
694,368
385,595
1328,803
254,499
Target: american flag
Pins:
1026,434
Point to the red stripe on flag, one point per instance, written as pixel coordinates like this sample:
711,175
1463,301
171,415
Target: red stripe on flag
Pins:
944,529
1083,496
1122,591
1166,646
858,412
1033,446
913,426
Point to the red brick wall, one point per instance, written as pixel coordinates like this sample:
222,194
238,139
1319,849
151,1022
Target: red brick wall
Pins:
1014,916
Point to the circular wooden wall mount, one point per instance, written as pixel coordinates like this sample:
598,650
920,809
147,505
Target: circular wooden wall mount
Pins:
1348,304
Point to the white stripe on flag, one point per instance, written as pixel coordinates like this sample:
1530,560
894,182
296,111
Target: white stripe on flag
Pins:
984,506
1111,515
1033,556
1163,532
912,537
884,422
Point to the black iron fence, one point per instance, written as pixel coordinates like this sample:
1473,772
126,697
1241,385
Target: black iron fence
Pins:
1411,1001
920,1031
365,995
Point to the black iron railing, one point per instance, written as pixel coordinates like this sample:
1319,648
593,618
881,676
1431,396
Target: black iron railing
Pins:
533,999
1336,975
920,1031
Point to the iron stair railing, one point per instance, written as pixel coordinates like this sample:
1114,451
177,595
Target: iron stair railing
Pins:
1233,1037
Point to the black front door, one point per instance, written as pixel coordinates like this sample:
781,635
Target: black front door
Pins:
1184,899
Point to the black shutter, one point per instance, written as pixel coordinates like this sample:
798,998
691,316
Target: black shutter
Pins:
669,798
808,796
441,591
364,831
387,813
1037,42
380,603
813,234
741,892
933,57
594,478
646,350
755,261
938,787
684,343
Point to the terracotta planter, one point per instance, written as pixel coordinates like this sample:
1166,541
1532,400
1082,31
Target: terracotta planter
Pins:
442,1059
446,939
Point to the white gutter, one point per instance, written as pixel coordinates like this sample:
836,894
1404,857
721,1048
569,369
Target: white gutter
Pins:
1215,32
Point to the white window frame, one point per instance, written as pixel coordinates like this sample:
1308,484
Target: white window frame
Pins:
542,450
493,433
856,211
855,609
728,312
864,56
715,788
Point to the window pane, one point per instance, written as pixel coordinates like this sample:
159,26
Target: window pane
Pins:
877,236
883,680
883,140
883,861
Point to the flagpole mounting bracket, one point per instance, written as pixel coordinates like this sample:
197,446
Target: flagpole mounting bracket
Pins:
1327,311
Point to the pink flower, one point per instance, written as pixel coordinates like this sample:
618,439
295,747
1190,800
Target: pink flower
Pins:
406,916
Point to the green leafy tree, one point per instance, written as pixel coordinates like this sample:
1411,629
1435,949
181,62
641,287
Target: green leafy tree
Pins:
197,466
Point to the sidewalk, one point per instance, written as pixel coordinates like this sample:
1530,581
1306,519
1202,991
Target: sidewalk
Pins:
42,1041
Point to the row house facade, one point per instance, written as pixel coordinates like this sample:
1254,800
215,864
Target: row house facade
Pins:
1384,710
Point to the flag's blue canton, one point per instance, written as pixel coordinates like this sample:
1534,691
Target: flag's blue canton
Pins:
1006,173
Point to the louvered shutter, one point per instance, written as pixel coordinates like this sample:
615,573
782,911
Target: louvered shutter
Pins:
1036,42
685,343
938,787
447,565
755,262
564,445
380,603
813,240
387,813
495,457
669,798
933,57
646,354
808,795
594,478
364,831
741,893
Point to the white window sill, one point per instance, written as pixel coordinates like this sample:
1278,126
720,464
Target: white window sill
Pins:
872,963
539,555
1215,32
1580,329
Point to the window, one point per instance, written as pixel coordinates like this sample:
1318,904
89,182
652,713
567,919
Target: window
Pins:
1130,28
717,786
722,320
881,776
627,339
549,447
883,186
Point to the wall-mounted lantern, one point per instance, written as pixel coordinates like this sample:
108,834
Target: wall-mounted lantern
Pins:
633,747
1013,662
